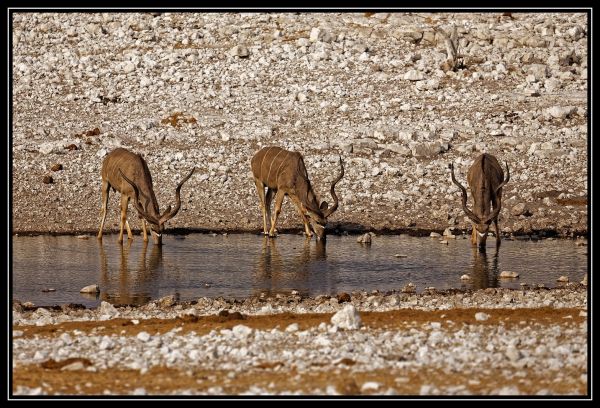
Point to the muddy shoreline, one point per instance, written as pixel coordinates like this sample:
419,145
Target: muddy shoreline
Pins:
339,230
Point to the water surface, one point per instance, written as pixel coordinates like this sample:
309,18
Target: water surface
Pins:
241,265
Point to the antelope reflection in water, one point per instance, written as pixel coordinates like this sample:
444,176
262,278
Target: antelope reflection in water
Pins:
136,286
485,270
276,273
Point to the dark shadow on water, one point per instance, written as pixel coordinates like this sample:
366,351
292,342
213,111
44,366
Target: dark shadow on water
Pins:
136,286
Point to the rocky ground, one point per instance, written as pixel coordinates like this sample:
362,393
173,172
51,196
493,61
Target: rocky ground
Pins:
488,342
208,90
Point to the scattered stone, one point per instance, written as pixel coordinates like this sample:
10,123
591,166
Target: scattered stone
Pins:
347,318
48,180
509,274
480,316
409,288
413,75
56,167
563,279
292,328
465,277
239,51
364,239
90,289
143,336
343,298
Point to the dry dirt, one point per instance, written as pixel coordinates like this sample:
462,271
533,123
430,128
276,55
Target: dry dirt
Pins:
275,376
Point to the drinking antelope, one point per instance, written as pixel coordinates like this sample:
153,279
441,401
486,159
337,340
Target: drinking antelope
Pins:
486,179
283,173
128,173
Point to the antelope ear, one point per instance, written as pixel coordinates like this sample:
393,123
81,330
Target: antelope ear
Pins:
324,206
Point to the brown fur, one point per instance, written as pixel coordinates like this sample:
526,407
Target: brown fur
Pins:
124,171
283,173
485,179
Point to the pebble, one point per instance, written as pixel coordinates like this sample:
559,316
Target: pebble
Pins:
90,289
347,318
480,316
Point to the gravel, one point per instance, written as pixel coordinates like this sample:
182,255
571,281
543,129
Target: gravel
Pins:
208,90
470,349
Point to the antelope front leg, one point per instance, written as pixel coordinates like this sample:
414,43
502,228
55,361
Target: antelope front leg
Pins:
307,230
105,192
474,236
278,201
260,187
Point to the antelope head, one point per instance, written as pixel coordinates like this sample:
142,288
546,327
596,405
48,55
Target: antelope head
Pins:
486,179
151,214
318,219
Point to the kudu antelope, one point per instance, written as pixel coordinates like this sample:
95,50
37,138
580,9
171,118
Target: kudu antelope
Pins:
486,179
128,173
283,173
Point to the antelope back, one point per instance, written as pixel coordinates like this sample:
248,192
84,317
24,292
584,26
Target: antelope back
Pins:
135,168
484,176
281,169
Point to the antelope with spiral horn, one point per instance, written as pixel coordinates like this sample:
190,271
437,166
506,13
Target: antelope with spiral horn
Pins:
283,173
128,173
486,179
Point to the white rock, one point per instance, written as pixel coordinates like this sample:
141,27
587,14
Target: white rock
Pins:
370,386
561,112
563,279
465,277
347,318
77,365
128,67
509,274
145,81
240,331
90,289
107,309
239,51
480,316
413,75
292,328
143,336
